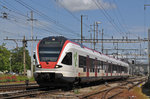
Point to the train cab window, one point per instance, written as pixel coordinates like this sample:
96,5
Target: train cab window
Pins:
67,59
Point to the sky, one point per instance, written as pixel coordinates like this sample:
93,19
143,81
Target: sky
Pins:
118,18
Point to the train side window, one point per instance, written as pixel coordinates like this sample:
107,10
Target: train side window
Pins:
105,66
92,63
102,67
109,68
67,59
114,68
84,69
118,71
125,69
91,69
82,61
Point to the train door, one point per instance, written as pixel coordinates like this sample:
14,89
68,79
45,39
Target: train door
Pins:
111,69
67,62
95,63
87,65
107,65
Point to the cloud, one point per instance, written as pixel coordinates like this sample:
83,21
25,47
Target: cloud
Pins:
79,5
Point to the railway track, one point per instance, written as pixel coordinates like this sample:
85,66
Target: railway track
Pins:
22,93
112,92
13,87
109,91
36,93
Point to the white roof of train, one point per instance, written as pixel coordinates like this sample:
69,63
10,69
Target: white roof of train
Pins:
103,57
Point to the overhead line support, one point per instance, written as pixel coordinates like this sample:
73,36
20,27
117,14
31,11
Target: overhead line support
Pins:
24,42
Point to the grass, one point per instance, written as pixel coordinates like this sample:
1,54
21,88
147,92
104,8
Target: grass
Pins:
136,93
76,91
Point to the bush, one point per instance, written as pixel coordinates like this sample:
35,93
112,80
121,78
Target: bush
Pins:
13,78
22,78
7,78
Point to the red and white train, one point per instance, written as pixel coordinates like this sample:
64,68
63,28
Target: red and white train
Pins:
60,62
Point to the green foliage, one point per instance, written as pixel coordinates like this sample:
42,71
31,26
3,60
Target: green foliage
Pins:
14,59
31,79
76,91
17,60
22,78
4,58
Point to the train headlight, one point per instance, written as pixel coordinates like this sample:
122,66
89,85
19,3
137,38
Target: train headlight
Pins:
39,66
58,66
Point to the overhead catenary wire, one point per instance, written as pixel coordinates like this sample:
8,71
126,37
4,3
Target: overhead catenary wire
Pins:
28,17
46,17
118,19
15,19
108,17
123,21
16,11
75,17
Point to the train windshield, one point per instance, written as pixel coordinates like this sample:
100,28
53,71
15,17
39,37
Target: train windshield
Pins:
49,50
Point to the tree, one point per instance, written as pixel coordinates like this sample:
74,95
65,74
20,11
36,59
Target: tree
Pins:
4,58
17,60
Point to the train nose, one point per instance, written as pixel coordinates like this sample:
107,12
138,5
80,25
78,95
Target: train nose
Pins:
48,65
48,76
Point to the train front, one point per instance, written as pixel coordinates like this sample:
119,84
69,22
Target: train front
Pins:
48,52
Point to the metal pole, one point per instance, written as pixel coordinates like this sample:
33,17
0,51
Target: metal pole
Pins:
97,31
140,49
91,38
32,43
81,30
102,40
91,35
24,55
149,53
117,50
94,36
31,19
